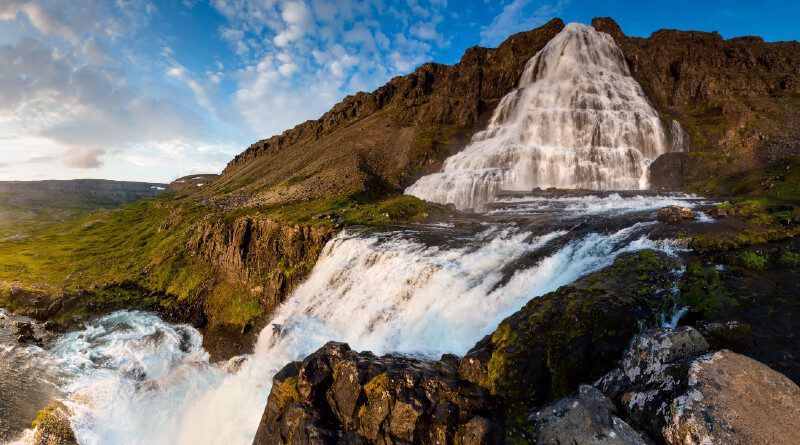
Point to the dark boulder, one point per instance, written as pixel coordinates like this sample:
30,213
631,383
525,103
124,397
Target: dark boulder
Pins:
336,395
652,374
675,214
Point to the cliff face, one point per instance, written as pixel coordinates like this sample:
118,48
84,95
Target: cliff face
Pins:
267,256
738,99
385,137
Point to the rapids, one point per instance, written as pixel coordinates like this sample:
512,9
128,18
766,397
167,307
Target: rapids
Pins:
425,290
577,120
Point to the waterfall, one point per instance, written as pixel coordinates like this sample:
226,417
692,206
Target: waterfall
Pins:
578,119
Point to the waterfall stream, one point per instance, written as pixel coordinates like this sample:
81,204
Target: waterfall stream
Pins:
578,119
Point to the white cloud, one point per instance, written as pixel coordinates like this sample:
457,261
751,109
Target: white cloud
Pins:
311,53
63,96
517,16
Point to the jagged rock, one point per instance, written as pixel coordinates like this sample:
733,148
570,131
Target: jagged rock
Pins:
674,214
733,399
587,417
336,395
653,373
52,426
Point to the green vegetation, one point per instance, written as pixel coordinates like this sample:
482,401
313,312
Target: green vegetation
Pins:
789,259
751,260
144,255
702,290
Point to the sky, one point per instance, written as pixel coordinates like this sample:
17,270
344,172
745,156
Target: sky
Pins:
150,90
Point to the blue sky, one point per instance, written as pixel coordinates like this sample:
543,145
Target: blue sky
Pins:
155,89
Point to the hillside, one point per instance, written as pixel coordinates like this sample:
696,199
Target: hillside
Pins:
37,202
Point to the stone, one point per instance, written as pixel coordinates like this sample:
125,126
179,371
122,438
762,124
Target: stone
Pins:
52,426
674,214
587,417
24,332
733,399
337,395
653,373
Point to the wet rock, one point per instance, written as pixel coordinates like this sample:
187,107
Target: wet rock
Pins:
717,213
674,214
337,395
24,332
733,399
51,325
587,417
52,426
652,374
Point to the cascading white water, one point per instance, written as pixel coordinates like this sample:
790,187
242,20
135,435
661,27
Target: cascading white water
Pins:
135,379
577,120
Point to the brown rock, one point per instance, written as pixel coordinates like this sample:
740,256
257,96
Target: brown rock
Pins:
336,395
674,214
733,399
52,427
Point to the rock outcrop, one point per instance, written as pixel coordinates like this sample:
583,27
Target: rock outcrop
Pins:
52,427
734,399
652,374
674,214
336,395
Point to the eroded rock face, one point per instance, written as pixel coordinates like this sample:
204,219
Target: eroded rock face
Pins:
587,417
733,399
337,395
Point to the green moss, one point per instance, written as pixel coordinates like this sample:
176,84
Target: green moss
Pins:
751,260
287,392
789,258
431,143
702,290
377,385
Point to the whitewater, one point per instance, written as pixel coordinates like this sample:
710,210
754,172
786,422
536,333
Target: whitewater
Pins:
423,290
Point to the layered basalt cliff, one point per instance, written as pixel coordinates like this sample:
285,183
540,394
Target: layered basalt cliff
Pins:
738,99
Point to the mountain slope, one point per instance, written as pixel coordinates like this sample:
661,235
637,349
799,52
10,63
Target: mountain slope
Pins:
382,140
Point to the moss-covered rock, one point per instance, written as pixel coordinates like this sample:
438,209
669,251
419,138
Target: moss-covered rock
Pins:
52,426
573,335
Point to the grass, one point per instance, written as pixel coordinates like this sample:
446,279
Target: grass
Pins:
141,255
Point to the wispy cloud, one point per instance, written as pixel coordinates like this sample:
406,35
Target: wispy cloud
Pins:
300,57
517,16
